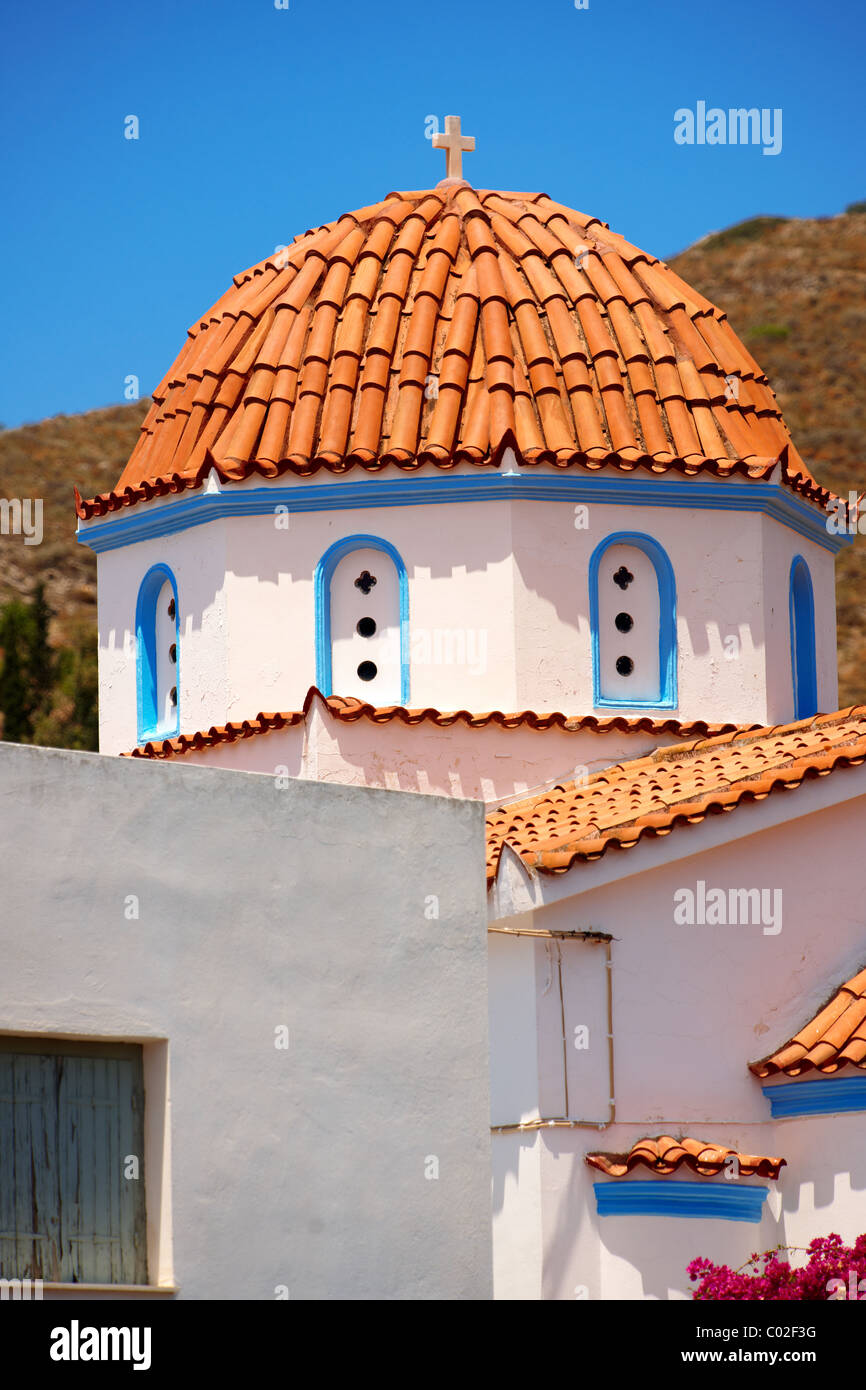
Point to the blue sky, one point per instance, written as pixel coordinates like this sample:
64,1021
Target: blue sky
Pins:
256,123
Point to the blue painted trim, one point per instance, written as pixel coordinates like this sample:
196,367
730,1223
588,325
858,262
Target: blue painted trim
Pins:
145,654
722,1200
322,588
667,696
830,1095
196,509
801,615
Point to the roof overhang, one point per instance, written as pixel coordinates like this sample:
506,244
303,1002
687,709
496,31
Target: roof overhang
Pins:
220,501
516,890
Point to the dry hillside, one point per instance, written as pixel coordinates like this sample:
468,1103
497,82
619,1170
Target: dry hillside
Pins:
795,292
45,460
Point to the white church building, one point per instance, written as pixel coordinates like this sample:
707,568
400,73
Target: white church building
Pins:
458,499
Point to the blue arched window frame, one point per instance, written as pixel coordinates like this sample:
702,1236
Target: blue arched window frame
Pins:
667,622
801,614
146,655
322,586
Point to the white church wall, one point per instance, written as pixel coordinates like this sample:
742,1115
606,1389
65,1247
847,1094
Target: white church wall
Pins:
716,560
197,559
514,1099
587,1256
498,608
354,919
483,764
518,1248
271,617
821,1193
692,1006
460,631
514,1074
780,546
762,985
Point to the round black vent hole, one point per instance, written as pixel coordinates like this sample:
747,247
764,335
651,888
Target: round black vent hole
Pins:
365,627
368,671
624,665
624,622
172,651
173,696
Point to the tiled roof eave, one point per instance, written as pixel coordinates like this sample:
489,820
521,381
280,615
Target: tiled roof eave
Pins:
601,812
351,710
754,470
834,1039
665,1155
544,331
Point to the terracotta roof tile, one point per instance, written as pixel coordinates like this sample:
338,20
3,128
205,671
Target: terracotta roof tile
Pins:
677,785
314,358
349,710
836,1037
665,1155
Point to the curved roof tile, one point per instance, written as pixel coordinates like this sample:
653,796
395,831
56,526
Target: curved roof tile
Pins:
677,785
665,1155
441,327
349,709
836,1037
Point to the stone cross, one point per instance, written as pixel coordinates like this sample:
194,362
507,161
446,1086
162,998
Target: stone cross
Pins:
455,144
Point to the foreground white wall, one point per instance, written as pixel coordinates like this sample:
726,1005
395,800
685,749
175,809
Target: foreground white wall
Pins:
307,906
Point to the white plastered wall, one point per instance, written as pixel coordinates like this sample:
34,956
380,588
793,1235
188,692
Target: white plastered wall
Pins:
498,609
482,764
692,1006
197,558
779,548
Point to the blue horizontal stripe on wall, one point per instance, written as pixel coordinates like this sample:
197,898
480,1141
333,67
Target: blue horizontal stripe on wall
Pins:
723,1201
144,522
828,1096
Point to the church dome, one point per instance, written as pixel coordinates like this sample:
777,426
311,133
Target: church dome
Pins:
440,328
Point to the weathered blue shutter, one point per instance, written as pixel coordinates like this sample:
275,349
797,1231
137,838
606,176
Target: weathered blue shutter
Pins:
29,1215
70,1117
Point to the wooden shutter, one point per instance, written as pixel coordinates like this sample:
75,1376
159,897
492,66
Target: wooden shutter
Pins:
70,1116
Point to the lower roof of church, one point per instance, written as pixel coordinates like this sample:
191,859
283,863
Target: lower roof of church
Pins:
717,768
678,785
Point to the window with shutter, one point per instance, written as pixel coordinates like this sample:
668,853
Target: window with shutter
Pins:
801,605
157,639
72,1202
362,621
632,607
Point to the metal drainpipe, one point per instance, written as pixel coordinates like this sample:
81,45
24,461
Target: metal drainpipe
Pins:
596,937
